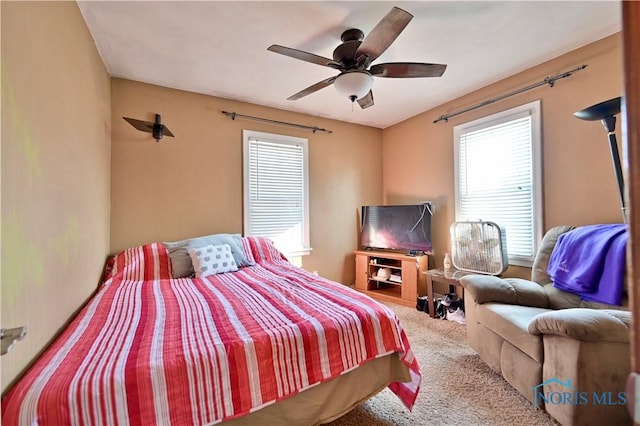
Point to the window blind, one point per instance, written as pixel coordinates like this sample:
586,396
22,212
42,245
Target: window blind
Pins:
496,179
276,192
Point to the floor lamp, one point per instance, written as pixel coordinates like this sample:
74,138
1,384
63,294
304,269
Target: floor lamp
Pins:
605,112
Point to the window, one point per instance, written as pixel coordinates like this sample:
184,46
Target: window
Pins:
276,190
498,176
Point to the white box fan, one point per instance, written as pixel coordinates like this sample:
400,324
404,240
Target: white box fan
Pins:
479,247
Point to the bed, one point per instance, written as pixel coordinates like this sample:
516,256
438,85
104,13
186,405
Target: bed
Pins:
267,344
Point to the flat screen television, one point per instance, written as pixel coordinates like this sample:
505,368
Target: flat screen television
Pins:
400,228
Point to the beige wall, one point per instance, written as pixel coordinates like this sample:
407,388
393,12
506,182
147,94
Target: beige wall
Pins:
191,184
55,171
579,183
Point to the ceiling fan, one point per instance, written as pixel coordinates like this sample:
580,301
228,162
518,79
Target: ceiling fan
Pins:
354,56
157,129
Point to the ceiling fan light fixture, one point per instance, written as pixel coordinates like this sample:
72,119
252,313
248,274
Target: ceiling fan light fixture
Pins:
354,85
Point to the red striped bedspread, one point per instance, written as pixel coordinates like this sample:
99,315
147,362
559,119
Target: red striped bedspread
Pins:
149,349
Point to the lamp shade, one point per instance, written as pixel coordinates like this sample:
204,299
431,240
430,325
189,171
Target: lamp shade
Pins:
600,110
354,85
604,111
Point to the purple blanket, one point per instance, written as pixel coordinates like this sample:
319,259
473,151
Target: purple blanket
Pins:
590,261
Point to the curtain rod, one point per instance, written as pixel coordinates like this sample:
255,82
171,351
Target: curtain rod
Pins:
234,115
549,80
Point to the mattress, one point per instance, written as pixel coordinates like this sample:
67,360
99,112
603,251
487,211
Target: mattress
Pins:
152,349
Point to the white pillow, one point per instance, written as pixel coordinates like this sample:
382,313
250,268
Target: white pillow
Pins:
210,260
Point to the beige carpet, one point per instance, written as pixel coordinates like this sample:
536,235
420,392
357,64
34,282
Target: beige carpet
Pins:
457,387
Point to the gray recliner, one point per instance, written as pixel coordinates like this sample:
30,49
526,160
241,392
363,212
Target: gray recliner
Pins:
565,355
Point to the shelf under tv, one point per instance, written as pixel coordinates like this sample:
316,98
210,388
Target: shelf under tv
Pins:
386,281
408,280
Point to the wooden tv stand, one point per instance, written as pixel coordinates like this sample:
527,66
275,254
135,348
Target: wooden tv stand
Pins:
407,280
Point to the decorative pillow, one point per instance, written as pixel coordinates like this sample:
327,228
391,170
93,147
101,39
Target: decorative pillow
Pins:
181,264
210,260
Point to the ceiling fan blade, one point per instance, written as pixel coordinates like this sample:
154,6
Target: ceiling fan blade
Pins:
407,70
383,34
314,88
145,126
366,101
305,56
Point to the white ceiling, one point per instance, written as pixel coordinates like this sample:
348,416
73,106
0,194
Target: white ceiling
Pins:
219,48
